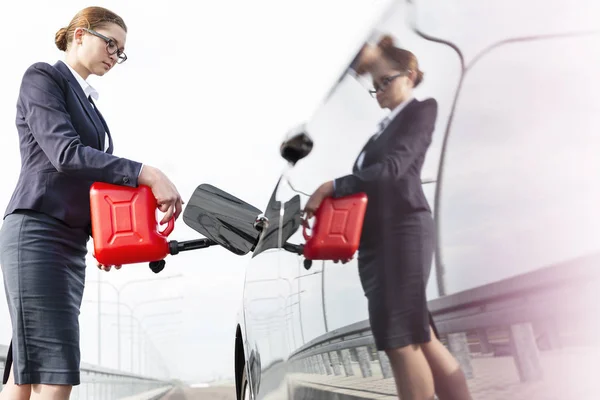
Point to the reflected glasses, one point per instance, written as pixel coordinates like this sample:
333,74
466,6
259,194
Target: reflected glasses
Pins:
111,46
385,82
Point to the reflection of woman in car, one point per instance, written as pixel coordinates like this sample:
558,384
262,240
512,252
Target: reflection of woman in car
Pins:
397,241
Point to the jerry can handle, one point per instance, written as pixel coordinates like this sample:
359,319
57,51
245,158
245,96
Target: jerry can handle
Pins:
170,226
304,233
306,236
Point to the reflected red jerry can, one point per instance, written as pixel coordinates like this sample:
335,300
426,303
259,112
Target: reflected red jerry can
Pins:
124,225
337,228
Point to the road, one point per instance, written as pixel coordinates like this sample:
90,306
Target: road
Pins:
210,393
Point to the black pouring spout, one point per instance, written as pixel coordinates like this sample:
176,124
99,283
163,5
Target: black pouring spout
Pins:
176,247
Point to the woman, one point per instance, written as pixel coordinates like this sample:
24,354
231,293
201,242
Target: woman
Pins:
65,146
397,241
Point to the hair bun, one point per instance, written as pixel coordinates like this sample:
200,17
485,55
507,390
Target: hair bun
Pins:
386,42
419,78
60,39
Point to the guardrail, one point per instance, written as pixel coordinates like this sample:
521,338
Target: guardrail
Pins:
525,312
98,383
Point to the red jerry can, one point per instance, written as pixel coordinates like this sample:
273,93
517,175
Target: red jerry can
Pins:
337,228
125,229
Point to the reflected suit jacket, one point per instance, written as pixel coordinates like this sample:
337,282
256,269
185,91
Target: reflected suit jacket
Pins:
61,137
390,173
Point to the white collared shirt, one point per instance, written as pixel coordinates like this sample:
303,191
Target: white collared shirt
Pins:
383,124
89,91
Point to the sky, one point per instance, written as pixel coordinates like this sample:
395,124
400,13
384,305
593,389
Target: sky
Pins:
208,92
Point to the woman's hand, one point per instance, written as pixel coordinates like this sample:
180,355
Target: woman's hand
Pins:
342,261
166,194
324,191
107,267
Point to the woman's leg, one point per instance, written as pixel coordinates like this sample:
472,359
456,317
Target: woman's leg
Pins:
50,392
11,391
414,380
450,381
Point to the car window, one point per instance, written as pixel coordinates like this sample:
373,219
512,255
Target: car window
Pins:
521,182
340,128
350,116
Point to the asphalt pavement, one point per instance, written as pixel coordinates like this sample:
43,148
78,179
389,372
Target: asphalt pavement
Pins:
209,393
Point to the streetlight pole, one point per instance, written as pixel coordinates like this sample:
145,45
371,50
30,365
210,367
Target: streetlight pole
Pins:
140,324
148,339
126,284
142,331
158,353
119,290
99,282
132,318
99,319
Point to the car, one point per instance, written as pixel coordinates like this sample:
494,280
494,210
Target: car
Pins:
513,178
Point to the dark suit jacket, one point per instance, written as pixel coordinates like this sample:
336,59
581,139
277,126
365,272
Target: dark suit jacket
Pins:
61,137
390,174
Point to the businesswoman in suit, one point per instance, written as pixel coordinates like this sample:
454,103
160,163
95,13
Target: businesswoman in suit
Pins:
397,241
65,146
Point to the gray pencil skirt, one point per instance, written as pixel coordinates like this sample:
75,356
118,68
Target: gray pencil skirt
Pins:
43,265
394,273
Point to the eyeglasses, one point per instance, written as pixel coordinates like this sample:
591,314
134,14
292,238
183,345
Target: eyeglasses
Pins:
385,82
111,46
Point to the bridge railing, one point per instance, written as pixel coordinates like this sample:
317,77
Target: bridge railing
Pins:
519,316
98,383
